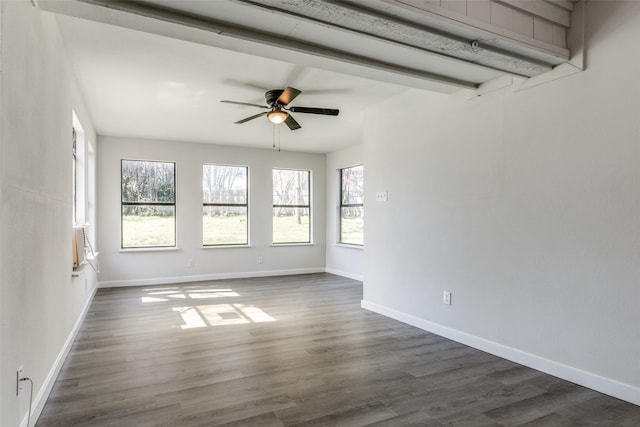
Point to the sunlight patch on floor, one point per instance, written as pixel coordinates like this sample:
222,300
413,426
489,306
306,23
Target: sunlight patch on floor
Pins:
165,295
221,314
202,315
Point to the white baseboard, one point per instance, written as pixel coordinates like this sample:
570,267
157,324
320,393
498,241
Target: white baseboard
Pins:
346,274
204,277
40,398
590,380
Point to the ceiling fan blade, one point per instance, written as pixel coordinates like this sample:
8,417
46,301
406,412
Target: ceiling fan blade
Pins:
291,122
250,118
288,95
245,85
245,103
335,90
310,110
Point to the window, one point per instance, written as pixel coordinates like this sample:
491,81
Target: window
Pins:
291,206
74,175
351,205
148,204
83,194
80,188
91,192
224,205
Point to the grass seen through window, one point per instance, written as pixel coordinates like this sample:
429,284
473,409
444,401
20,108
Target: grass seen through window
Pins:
352,231
147,231
224,230
289,229
153,231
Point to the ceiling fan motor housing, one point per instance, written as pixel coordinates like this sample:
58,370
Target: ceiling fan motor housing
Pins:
271,96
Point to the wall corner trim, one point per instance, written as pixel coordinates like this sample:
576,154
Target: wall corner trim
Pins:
346,274
590,380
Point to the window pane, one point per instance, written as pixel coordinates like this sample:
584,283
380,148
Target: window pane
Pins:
148,210
74,143
144,182
351,205
353,185
291,225
224,225
290,187
224,184
352,225
291,210
148,226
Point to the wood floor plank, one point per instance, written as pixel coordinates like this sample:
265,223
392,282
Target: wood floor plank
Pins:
288,351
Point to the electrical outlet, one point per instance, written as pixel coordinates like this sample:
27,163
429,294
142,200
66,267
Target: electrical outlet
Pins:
381,196
446,297
260,260
190,262
19,374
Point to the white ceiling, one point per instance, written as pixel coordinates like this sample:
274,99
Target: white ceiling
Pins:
157,69
143,85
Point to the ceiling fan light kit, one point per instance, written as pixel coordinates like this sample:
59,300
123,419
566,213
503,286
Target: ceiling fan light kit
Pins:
278,100
277,116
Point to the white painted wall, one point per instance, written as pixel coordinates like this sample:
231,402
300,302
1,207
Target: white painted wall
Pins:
526,207
341,259
40,303
149,267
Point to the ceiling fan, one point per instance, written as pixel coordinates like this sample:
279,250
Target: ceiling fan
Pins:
278,100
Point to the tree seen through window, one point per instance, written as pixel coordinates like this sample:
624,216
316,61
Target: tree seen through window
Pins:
148,203
291,206
225,208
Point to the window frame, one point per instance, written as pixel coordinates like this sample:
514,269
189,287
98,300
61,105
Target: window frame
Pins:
74,176
309,241
80,188
157,204
348,205
245,205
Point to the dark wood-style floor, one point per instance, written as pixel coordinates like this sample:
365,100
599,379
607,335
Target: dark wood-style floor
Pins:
294,350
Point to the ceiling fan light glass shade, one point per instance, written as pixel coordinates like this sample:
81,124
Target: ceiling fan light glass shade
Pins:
277,116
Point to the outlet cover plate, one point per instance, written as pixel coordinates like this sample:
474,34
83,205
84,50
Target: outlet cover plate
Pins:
446,297
381,196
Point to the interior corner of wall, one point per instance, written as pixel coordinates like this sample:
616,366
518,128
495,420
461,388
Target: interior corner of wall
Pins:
577,47
576,35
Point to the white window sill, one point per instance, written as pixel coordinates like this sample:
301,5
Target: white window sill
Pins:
127,250
347,245
77,270
275,245
224,246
